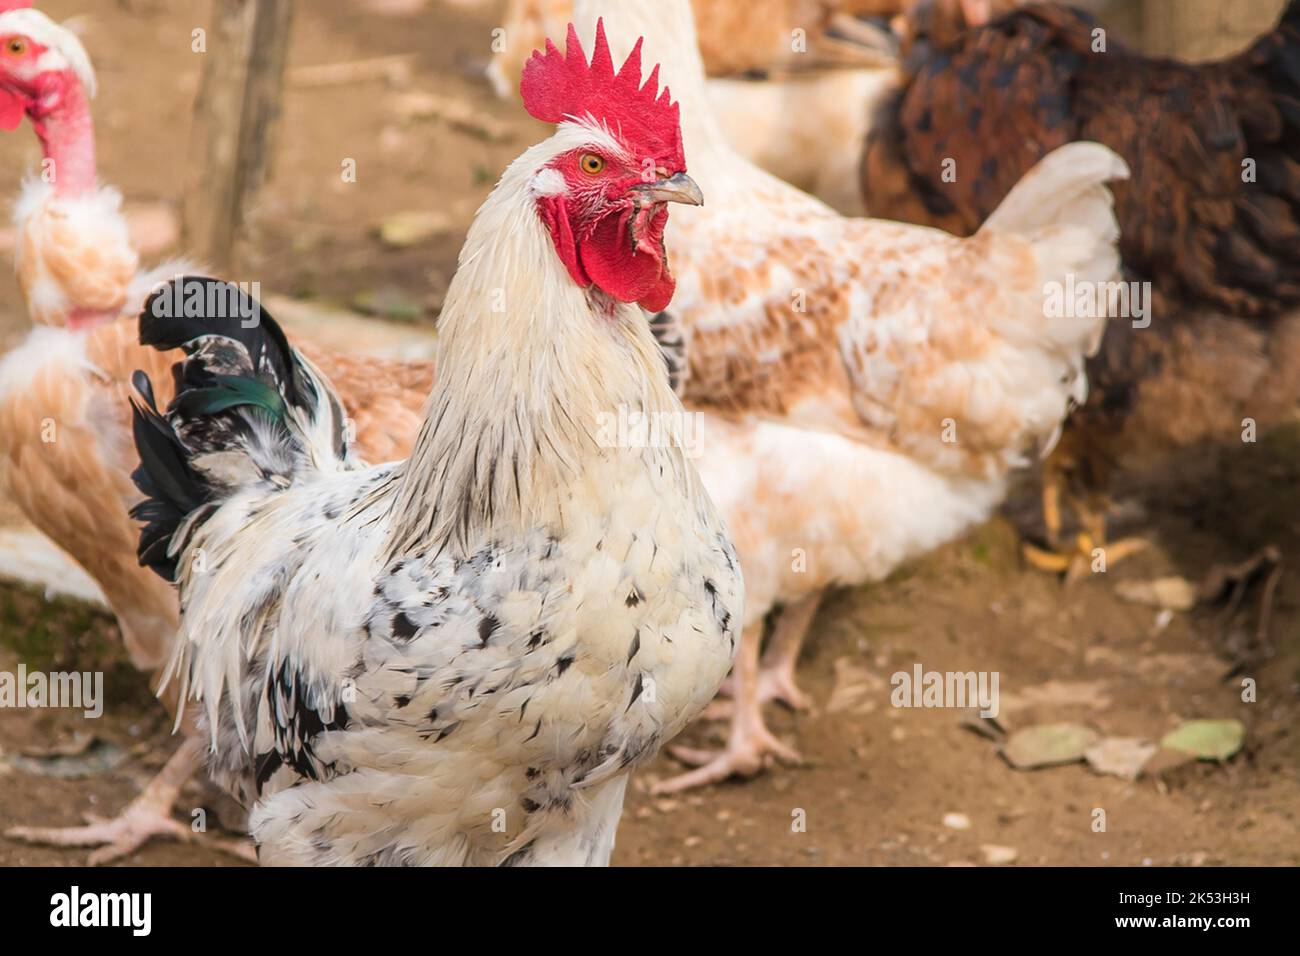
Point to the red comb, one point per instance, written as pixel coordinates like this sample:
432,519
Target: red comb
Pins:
556,87
7,5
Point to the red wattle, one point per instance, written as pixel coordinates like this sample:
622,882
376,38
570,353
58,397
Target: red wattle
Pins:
12,110
629,275
555,214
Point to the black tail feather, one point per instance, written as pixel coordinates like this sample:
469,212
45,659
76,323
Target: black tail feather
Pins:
243,397
190,308
171,487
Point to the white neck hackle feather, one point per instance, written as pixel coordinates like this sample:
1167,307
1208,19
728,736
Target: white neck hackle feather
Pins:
528,361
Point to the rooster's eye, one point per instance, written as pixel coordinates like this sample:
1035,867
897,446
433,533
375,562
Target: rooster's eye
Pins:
592,164
16,47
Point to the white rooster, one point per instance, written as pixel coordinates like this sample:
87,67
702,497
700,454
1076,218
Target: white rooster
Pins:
459,658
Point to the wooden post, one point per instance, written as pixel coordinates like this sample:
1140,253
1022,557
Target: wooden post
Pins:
235,115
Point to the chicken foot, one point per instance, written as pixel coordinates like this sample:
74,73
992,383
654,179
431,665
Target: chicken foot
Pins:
1076,562
145,817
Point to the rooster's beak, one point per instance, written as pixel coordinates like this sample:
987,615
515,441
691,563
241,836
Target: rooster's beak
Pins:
677,188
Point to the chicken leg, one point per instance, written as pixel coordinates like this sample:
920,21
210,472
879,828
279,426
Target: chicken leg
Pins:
749,742
145,817
776,676
1077,561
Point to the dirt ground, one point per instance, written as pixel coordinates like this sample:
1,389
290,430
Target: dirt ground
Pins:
877,781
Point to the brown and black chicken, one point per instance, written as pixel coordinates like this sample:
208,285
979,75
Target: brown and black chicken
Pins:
1210,217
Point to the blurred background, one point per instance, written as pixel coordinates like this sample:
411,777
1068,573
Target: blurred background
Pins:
397,87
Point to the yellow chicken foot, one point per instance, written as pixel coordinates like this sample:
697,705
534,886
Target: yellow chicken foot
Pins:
1052,559
1079,562
145,817
1091,552
749,742
1095,551
1053,486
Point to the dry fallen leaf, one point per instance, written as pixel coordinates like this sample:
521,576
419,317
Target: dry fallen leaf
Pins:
1048,745
1166,761
1122,757
1207,739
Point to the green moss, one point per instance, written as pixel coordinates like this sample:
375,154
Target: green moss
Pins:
65,635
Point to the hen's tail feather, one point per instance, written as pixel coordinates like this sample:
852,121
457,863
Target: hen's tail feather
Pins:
1067,183
184,311
1065,208
249,412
